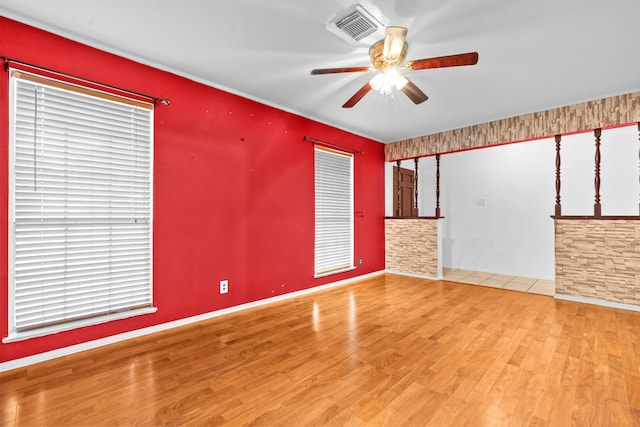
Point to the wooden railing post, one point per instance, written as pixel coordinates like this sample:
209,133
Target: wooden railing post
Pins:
558,205
398,188
597,208
437,185
415,187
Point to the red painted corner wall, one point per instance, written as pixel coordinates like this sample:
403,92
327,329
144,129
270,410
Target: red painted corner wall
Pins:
233,191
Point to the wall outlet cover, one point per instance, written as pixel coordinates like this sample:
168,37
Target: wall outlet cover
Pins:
224,286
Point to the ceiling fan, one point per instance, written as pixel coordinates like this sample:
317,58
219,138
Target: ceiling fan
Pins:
387,57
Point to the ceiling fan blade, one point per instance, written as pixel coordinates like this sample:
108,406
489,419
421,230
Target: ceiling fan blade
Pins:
470,58
357,96
340,70
414,93
393,43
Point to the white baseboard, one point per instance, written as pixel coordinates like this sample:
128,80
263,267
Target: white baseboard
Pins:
419,276
41,357
602,303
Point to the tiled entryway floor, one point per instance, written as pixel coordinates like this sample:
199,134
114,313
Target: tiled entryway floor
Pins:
514,283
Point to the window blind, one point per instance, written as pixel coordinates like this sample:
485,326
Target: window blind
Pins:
80,204
333,211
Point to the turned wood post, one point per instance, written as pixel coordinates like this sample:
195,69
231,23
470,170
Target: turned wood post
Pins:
415,187
597,208
398,188
558,206
438,185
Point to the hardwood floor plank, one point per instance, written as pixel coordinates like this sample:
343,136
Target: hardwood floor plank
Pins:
388,351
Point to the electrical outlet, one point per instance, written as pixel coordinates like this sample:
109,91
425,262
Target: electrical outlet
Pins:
360,261
224,286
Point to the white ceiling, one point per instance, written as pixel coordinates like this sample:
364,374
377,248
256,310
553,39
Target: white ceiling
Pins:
534,55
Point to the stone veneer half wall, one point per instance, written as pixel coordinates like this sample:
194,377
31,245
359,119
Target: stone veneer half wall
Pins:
598,259
412,245
601,113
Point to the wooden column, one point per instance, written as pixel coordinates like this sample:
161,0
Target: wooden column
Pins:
415,187
397,188
597,208
639,166
558,206
438,185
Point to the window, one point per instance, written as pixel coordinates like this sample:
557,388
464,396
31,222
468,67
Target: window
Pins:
333,211
79,208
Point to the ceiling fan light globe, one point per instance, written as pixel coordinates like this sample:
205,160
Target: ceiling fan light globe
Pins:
385,81
377,82
401,82
394,78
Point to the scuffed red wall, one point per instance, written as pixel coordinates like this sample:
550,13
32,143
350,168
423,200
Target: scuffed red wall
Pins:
233,191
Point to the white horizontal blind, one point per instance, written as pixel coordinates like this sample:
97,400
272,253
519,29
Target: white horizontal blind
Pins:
333,211
80,204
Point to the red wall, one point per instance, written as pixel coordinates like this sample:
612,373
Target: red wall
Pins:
233,191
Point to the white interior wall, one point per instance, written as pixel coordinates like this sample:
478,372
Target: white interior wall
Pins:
388,188
498,201
389,194
497,204
620,190
427,186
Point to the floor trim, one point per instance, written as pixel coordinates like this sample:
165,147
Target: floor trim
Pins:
65,351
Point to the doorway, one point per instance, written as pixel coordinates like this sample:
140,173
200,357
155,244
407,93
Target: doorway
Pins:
404,189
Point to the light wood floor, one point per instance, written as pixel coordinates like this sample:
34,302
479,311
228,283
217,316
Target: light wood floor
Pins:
390,350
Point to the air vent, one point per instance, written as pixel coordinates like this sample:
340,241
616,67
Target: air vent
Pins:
356,25
360,23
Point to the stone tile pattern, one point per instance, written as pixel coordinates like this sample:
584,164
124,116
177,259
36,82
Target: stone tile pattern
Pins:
411,246
616,110
598,259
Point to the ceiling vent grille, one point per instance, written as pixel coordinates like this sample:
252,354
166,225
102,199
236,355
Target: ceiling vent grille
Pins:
360,23
356,25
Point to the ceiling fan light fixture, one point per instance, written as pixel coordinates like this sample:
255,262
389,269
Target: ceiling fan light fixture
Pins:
385,81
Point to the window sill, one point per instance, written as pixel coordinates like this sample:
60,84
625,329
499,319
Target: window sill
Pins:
329,273
40,332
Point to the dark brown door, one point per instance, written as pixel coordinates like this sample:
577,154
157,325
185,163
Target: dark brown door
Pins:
405,191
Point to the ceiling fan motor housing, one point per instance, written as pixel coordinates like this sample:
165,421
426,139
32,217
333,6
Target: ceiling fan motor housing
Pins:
380,62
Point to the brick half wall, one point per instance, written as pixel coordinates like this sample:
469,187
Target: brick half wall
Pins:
413,246
598,259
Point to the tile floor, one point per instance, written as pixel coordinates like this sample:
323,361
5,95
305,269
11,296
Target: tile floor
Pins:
514,283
